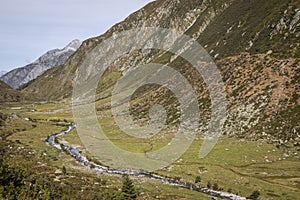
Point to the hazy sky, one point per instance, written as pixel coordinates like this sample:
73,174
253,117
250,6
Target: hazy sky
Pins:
29,28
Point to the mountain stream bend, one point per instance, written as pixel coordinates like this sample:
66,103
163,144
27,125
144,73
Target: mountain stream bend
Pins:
51,140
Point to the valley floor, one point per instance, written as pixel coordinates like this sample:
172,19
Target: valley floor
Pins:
235,165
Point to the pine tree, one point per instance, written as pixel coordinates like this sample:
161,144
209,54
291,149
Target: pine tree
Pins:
128,190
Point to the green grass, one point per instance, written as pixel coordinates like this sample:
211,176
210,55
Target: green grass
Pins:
237,164
243,166
162,191
46,159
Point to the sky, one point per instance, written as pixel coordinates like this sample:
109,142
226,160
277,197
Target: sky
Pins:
29,28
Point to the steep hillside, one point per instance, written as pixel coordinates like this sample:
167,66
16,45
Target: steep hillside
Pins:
9,94
263,95
178,15
224,28
23,75
257,27
254,42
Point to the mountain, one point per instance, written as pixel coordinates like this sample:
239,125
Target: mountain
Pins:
9,94
178,15
23,75
224,28
2,73
255,45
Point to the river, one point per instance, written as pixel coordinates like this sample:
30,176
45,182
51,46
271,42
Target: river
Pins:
51,140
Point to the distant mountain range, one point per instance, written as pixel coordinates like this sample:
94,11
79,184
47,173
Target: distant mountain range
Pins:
52,58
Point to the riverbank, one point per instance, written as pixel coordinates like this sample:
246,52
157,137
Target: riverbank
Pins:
51,140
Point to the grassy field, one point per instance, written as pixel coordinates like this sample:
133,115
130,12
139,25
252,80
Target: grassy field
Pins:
236,165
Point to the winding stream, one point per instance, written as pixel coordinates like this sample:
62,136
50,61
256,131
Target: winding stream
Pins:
170,181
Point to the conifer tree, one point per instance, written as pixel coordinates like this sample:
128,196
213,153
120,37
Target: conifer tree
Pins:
128,190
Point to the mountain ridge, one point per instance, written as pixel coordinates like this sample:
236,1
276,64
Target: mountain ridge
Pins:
253,46
19,76
165,14
217,27
9,94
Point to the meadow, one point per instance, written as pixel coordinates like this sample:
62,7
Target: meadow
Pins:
235,165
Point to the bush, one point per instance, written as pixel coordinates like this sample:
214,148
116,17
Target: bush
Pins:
255,194
215,186
64,170
12,180
209,184
197,179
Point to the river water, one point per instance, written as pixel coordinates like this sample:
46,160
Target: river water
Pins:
139,173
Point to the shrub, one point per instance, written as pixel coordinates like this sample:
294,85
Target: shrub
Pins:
209,184
197,179
255,194
64,170
215,186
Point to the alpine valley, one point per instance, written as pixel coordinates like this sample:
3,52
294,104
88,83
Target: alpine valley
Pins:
255,45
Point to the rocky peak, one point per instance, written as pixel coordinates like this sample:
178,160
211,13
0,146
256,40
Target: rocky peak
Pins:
52,58
73,45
